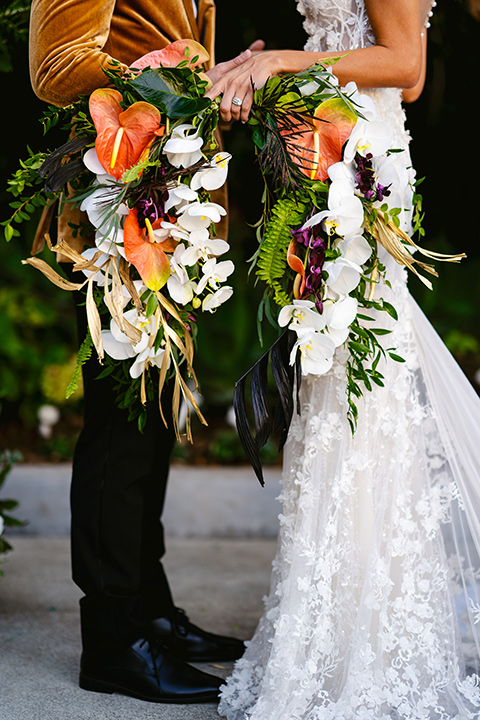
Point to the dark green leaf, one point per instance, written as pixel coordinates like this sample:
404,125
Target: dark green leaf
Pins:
390,310
152,88
396,357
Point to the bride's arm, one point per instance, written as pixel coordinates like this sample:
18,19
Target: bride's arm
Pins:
394,61
411,94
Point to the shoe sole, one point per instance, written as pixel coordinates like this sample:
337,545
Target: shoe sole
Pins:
206,659
103,686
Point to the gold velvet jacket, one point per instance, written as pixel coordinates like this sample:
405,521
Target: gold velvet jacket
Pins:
71,40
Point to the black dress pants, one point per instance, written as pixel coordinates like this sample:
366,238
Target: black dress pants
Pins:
117,496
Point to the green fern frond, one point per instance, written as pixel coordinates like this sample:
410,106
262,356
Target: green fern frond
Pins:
280,296
287,215
84,354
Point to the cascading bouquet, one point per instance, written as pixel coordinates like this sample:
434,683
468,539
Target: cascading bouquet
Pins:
332,195
142,161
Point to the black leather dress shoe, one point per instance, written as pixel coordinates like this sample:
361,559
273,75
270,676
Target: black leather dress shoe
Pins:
186,641
145,670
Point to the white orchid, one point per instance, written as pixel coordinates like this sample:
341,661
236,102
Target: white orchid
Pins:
101,261
175,230
110,243
202,247
308,88
214,175
119,347
373,137
179,285
179,196
345,211
200,215
344,172
140,287
362,103
92,163
213,301
214,273
338,336
183,148
388,173
98,205
340,312
343,275
301,314
355,248
316,350
149,356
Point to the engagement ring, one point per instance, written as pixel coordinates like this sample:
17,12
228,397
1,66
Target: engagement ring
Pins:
237,101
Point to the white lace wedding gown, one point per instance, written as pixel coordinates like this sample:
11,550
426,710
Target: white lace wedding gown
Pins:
374,606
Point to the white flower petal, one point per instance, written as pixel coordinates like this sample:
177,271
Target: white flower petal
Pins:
214,176
115,349
341,313
212,302
356,249
183,148
181,293
179,195
93,164
338,336
343,276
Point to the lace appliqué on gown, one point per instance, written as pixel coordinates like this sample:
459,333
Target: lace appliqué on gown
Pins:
374,595
374,606
335,25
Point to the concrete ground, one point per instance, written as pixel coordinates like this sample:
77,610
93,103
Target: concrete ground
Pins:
219,582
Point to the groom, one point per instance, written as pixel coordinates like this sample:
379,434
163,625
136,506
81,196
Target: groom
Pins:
135,641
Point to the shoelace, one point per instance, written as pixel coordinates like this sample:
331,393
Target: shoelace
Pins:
155,649
180,622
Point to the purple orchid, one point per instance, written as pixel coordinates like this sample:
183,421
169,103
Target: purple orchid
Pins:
365,180
152,210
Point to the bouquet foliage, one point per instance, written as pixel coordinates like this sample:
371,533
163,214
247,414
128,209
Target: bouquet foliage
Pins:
141,161
333,195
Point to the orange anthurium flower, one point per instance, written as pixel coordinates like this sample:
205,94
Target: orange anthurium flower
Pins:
296,264
143,252
321,145
173,54
122,135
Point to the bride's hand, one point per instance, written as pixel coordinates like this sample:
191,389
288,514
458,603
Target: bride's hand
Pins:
238,84
222,68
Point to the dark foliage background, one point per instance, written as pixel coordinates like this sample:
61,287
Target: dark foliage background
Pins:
37,331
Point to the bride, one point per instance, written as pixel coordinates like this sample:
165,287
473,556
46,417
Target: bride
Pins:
374,609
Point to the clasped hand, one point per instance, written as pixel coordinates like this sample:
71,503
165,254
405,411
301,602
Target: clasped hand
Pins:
236,80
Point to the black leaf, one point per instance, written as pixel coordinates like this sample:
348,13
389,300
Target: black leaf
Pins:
244,431
54,160
60,177
266,421
259,395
